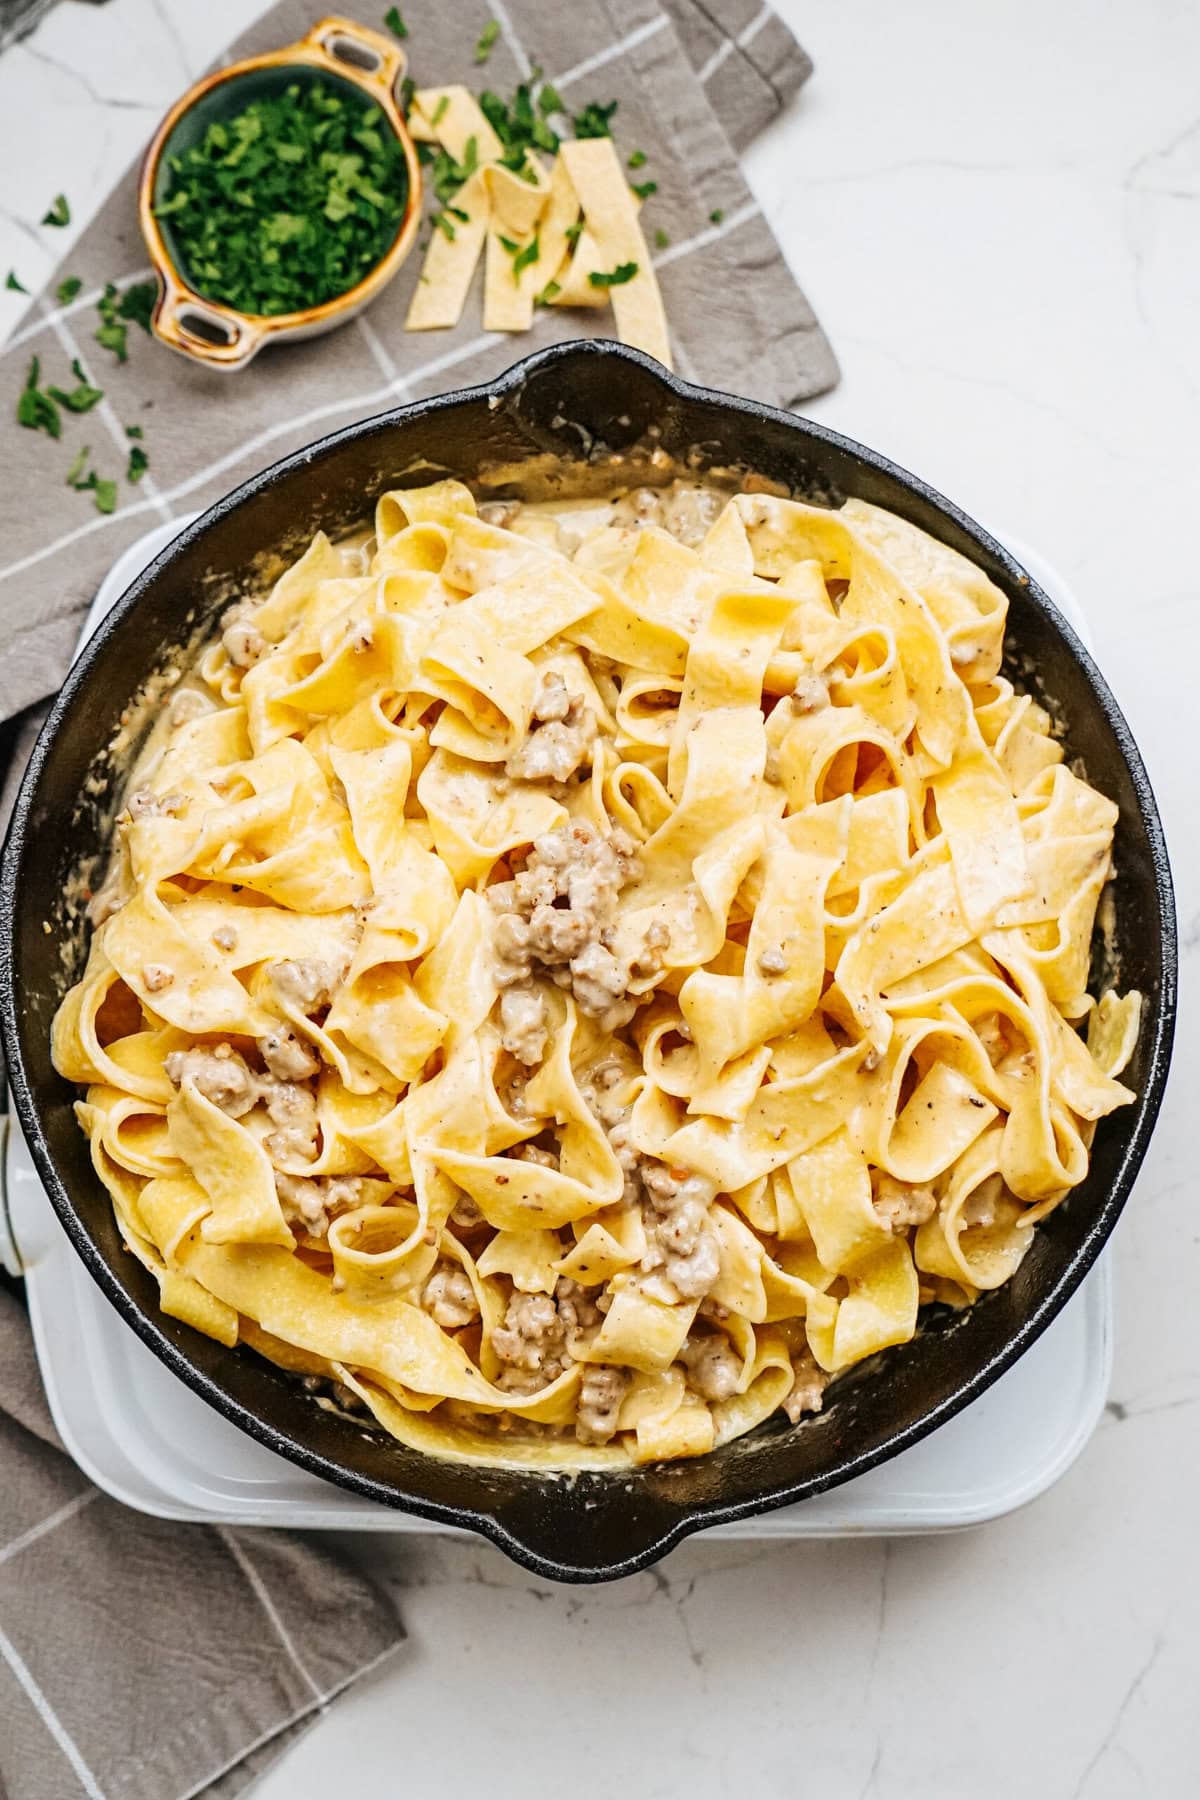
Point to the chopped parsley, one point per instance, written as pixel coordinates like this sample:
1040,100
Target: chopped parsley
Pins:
394,20
66,290
637,160
644,189
550,292
524,258
612,278
138,303
290,202
487,38
36,410
446,179
661,240
111,332
82,397
715,216
41,409
13,285
595,120
102,490
574,232
448,175
439,111
549,100
59,213
77,467
519,124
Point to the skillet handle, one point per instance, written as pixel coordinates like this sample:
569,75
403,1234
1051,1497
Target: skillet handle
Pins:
592,1527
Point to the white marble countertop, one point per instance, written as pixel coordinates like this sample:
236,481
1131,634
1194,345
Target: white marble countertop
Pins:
995,210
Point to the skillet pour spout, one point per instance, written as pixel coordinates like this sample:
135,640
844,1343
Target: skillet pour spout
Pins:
576,406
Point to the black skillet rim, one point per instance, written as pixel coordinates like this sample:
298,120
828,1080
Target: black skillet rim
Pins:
705,1515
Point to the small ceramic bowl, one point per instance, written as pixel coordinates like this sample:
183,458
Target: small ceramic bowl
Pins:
335,50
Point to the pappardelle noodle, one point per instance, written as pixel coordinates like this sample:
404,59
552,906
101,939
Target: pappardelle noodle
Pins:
574,977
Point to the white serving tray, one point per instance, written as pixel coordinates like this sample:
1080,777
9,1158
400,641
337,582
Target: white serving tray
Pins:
145,1438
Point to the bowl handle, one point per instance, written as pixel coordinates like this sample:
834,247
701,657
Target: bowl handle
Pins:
230,339
345,46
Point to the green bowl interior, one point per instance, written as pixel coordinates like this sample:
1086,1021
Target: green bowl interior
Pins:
231,97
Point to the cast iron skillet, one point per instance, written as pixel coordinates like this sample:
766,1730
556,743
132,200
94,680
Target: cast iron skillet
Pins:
568,400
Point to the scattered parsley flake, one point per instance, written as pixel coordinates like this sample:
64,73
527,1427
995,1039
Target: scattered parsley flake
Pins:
139,462
440,110
613,277
595,120
517,124
102,490
59,213
644,189
509,244
549,100
133,431
35,410
550,292
447,176
638,160
487,38
14,286
75,472
394,21
114,338
715,216
112,333
574,232
66,290
524,258
408,88
81,398
138,303
661,240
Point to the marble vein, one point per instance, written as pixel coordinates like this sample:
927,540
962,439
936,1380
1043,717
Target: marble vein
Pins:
111,102
1108,1741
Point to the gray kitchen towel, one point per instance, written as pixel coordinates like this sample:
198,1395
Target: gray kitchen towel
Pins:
745,58
142,1659
737,317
